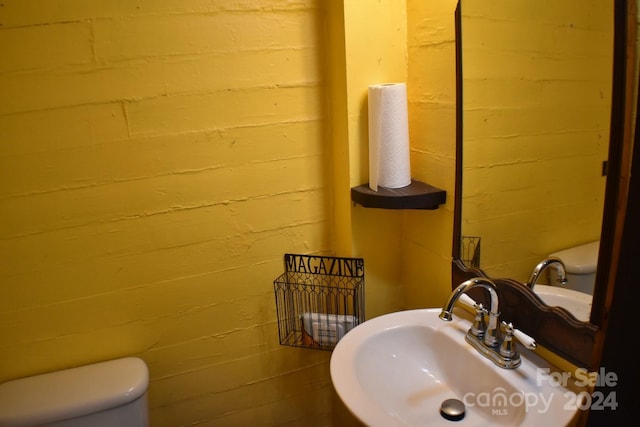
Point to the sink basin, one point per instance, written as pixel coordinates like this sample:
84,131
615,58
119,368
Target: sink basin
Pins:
398,369
577,303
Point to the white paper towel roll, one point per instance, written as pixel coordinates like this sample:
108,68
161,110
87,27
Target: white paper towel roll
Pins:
389,163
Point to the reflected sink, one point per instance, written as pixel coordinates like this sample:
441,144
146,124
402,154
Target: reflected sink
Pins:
397,369
577,303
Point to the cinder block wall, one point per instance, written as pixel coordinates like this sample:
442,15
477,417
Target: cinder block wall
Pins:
157,158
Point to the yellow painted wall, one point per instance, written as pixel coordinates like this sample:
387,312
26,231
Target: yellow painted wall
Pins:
376,52
407,253
157,158
427,235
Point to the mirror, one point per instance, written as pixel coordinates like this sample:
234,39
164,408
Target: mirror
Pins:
538,113
536,110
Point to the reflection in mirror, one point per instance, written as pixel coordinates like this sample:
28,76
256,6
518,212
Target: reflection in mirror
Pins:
537,84
555,328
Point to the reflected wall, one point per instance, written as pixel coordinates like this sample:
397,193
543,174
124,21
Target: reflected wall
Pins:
537,105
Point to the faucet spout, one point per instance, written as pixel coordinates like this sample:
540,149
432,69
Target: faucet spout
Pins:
486,336
543,265
447,309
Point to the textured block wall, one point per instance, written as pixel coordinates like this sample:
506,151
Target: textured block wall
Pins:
157,158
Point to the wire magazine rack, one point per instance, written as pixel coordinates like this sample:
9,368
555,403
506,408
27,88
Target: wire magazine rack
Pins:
318,299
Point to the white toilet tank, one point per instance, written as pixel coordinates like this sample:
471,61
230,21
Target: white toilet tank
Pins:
106,394
581,263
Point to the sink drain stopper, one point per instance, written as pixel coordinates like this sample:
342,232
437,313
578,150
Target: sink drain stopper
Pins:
452,409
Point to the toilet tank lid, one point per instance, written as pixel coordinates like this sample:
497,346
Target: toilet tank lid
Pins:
72,392
582,259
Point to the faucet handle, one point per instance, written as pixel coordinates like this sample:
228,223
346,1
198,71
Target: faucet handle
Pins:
508,346
525,339
467,300
479,326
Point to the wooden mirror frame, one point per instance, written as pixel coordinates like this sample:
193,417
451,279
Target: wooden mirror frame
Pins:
554,327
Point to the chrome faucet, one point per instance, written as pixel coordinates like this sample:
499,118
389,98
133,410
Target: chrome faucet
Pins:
537,271
486,336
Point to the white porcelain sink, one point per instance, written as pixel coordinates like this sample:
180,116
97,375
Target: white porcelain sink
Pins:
577,303
397,369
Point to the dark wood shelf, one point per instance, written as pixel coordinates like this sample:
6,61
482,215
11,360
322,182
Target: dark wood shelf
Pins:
417,195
